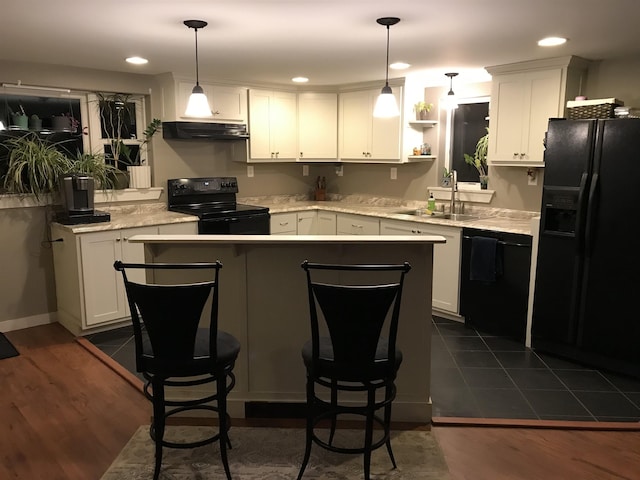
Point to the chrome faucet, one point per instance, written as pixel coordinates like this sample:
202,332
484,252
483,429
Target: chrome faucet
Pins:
453,176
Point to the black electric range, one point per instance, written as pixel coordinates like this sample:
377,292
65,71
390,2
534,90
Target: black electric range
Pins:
213,201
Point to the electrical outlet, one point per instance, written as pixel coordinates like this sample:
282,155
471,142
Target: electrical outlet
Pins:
305,170
394,173
339,171
250,171
532,177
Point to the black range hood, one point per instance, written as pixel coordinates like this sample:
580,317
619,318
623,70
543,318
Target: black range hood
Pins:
204,130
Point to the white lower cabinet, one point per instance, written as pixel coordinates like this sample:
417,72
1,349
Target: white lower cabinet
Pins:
284,223
446,259
349,224
89,291
292,223
307,223
327,223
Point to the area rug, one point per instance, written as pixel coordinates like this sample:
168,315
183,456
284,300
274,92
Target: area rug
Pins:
7,350
276,454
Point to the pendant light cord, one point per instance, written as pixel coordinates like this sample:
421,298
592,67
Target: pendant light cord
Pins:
197,76
386,80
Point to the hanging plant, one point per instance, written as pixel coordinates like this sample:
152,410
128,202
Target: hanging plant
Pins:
34,166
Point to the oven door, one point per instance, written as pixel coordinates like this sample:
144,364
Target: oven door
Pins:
236,225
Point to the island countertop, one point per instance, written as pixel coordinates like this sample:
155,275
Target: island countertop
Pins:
287,239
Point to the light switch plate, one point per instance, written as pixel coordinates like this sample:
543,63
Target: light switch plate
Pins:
305,170
339,171
250,171
394,173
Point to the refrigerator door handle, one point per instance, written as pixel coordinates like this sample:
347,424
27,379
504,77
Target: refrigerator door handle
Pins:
581,208
591,213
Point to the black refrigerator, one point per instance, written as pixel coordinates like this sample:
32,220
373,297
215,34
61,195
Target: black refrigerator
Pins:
587,290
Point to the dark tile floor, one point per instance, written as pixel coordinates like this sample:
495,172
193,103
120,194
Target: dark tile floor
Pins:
484,376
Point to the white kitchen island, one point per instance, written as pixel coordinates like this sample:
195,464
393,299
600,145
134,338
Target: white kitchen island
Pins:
264,303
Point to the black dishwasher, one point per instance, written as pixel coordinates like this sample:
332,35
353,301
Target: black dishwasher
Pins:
494,281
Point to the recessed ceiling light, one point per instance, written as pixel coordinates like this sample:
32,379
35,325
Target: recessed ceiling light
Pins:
300,79
399,66
137,60
551,41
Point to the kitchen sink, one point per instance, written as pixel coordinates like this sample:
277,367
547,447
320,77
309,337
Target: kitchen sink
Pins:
458,217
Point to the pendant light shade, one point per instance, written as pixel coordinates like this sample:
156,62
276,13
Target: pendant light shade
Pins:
450,101
198,105
386,105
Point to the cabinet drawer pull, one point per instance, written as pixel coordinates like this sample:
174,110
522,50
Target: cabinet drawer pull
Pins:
282,224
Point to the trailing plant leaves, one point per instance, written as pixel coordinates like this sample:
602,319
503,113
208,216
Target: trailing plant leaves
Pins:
35,166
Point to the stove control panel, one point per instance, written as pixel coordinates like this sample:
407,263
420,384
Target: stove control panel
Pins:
179,187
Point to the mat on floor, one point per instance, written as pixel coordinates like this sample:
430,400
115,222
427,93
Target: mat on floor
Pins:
276,454
7,350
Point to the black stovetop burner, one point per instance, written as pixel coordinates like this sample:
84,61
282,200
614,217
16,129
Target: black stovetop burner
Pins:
208,197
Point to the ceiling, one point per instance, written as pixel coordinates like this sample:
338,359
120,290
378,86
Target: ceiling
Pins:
329,41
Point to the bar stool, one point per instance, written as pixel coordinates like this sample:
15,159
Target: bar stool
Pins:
170,346
358,359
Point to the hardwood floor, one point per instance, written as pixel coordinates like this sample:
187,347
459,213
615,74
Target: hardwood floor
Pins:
65,415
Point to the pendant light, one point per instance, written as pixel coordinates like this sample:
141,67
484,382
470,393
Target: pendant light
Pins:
450,101
198,105
386,105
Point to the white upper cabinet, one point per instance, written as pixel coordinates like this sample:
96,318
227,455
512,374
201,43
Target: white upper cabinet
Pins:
362,137
272,125
524,97
317,126
228,103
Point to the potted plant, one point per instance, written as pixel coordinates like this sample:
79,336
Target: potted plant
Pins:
139,170
115,111
422,109
34,166
94,165
19,119
479,159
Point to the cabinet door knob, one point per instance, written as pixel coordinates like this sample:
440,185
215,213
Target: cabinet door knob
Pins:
117,239
301,155
522,155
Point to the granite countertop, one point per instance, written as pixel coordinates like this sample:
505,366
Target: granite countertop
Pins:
502,220
131,216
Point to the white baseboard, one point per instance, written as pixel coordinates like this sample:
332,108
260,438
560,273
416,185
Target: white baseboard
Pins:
26,322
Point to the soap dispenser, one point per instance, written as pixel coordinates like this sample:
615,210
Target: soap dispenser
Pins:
431,203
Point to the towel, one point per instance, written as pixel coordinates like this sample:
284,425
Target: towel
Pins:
483,259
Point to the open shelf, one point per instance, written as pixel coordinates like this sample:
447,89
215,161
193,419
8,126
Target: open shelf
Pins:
423,123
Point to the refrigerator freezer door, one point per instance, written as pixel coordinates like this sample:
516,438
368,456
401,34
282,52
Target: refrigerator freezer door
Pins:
610,322
568,158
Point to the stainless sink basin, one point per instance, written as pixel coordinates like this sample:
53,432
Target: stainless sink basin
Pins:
456,217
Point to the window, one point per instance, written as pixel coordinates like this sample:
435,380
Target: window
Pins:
116,124
58,118
468,124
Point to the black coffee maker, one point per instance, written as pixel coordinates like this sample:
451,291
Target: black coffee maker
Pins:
78,192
